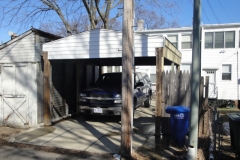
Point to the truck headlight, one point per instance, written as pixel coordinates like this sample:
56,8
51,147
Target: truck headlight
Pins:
118,98
118,101
83,95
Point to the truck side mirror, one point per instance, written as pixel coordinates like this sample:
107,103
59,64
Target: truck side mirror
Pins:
140,84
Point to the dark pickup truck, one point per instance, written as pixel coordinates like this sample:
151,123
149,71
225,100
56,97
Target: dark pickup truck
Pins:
104,97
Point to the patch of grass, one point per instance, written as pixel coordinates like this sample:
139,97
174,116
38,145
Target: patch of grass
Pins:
228,110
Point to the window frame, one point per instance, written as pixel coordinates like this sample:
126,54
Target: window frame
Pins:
224,42
224,74
185,34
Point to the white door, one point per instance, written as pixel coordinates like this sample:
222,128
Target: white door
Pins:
212,92
14,94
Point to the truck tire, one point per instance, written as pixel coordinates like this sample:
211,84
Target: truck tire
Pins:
147,103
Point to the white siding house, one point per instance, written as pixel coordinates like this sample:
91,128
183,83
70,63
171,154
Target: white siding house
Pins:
20,79
220,61
219,53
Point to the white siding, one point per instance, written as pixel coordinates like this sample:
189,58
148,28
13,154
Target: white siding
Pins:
99,43
212,58
215,58
21,50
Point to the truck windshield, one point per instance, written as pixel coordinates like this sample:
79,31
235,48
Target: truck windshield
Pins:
109,79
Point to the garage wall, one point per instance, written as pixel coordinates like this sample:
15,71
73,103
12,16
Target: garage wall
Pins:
100,43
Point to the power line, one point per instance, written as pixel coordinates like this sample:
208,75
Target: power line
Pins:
225,10
213,11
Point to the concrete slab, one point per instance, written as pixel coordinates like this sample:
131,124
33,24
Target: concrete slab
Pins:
111,143
77,139
100,135
39,136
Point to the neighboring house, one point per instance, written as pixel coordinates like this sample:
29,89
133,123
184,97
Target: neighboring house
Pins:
219,56
21,78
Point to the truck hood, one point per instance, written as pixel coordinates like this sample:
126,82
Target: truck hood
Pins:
102,91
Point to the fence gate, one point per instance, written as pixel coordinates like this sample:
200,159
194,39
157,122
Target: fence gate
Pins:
14,94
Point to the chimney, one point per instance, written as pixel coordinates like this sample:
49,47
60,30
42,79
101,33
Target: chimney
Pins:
13,36
140,25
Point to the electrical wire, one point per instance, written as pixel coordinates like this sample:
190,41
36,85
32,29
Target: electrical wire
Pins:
213,11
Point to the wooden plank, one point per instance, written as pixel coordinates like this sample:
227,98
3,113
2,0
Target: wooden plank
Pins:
159,71
127,89
188,89
171,53
47,115
40,97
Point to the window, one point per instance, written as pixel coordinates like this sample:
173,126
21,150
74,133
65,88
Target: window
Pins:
230,39
226,72
220,39
208,40
187,41
173,39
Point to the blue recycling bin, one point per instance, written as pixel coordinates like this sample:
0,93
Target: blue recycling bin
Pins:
179,119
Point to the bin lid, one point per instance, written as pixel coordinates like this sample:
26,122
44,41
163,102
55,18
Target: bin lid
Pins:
234,116
177,109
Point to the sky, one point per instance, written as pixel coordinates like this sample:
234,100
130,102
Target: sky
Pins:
212,12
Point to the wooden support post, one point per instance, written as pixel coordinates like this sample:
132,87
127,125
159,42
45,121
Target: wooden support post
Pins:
172,66
159,70
77,87
100,70
46,108
178,68
127,61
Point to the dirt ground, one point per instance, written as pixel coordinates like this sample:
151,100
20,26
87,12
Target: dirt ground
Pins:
225,150
207,128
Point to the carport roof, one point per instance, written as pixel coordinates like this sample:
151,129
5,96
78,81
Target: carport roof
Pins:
105,44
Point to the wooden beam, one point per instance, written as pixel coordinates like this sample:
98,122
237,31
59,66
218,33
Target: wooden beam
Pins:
127,62
171,53
46,108
159,70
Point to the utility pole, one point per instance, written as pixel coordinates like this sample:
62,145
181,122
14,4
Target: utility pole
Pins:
195,83
127,92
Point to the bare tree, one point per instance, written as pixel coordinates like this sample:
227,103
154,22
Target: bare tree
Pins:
154,21
72,15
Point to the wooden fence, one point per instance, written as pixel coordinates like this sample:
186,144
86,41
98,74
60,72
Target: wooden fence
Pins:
176,91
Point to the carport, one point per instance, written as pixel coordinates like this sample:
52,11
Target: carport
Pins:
71,63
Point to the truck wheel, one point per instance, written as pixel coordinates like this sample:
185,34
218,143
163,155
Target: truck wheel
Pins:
147,103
